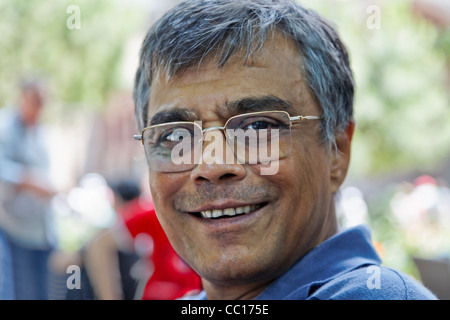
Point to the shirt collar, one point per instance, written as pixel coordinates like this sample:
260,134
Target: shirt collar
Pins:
339,254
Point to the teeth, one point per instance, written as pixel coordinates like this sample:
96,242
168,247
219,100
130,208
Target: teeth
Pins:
207,214
216,213
239,210
229,212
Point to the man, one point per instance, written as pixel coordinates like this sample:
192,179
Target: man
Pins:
257,77
26,190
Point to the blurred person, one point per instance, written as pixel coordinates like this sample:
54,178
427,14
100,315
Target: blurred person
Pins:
26,191
160,273
211,69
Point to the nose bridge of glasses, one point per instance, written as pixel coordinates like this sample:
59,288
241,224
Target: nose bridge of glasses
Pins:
213,128
215,149
212,138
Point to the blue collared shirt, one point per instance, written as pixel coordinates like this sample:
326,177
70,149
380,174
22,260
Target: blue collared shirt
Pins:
344,267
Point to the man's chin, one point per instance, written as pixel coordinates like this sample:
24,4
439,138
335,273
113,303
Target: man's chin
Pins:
236,271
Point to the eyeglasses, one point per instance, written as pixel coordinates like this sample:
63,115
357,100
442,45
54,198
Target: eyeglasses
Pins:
252,138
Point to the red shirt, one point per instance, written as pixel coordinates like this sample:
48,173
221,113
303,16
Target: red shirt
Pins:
172,277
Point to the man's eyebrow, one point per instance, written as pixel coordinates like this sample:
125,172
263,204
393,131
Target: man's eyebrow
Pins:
174,115
235,107
255,104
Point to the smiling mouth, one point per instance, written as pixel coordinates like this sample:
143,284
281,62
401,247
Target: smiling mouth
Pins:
230,212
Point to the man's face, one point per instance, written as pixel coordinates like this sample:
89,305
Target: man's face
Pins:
293,209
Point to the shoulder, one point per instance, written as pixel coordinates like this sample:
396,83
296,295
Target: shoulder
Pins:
372,283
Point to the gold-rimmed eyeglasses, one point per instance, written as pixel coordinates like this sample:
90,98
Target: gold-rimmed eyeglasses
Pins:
252,138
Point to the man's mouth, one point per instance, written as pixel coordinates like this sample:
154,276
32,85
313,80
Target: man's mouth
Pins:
230,212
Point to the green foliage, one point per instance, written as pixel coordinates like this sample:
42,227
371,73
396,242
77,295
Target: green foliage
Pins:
402,103
80,64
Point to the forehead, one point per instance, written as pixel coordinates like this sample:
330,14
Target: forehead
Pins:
205,89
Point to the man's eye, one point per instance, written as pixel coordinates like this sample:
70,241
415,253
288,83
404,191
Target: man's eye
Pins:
260,124
173,135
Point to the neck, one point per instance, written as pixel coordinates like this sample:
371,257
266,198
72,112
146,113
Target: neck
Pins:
243,292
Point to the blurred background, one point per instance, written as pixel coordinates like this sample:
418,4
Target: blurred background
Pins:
87,51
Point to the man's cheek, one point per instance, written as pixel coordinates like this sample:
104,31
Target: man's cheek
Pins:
162,185
158,195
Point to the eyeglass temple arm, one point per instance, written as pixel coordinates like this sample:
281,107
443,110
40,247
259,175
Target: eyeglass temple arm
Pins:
304,118
137,137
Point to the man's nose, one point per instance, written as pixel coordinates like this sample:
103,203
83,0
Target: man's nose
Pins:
218,162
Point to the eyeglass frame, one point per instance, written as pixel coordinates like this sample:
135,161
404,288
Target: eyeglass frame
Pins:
291,121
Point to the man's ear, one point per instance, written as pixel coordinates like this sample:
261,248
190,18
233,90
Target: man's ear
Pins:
340,157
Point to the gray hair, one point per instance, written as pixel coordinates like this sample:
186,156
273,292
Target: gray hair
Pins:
197,29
